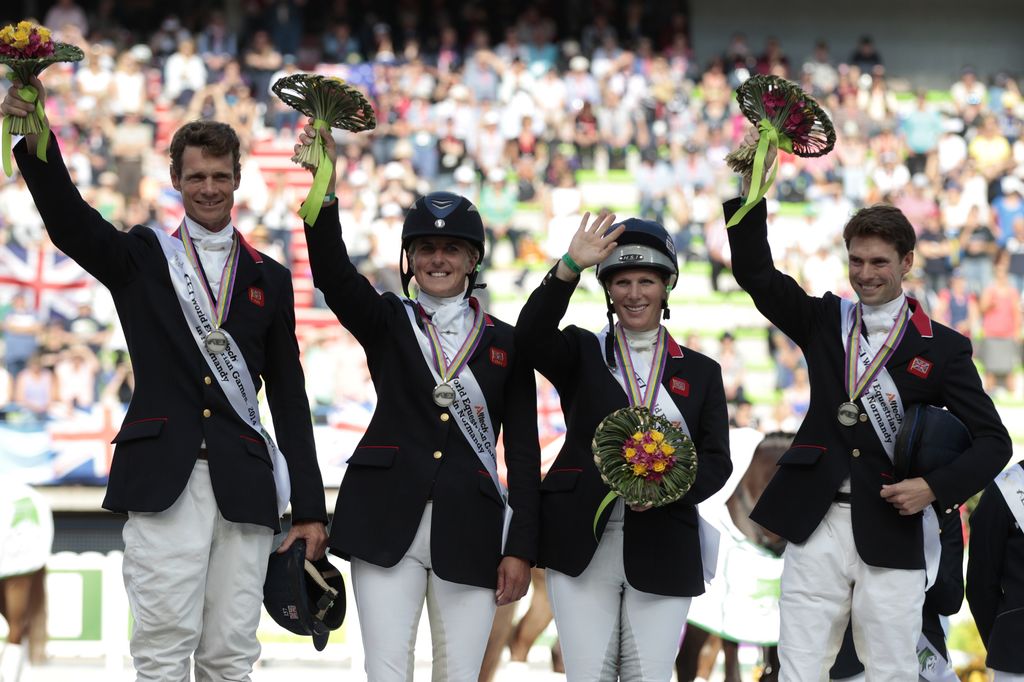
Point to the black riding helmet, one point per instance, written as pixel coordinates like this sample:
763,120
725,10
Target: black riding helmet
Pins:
302,596
643,244
442,214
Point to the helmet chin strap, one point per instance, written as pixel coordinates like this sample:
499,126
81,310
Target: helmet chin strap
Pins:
406,274
609,338
404,271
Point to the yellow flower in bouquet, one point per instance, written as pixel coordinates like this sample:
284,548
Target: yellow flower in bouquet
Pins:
643,458
26,49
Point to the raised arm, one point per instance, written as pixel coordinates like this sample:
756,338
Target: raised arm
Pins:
537,334
74,227
358,306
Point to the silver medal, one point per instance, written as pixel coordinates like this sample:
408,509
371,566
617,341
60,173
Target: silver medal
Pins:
444,395
848,413
216,341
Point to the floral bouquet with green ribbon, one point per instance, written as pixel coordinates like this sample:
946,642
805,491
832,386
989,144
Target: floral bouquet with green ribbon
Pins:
26,49
643,458
331,103
788,119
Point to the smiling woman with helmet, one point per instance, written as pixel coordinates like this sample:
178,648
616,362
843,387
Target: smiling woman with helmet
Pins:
422,513
620,588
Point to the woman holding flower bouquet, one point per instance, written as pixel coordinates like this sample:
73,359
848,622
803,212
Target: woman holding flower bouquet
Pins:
422,513
652,415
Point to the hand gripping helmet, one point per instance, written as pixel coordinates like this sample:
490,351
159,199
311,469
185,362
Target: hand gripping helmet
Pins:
929,438
442,214
304,597
643,244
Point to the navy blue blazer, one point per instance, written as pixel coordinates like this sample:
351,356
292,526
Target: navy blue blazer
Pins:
413,451
159,441
995,580
661,551
932,364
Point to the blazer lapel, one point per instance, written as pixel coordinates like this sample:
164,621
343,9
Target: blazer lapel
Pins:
250,266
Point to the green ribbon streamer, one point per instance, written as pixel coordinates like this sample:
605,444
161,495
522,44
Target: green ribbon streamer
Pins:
29,94
315,199
608,499
770,137
6,151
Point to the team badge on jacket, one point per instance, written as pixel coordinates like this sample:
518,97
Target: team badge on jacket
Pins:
256,296
680,387
920,367
499,357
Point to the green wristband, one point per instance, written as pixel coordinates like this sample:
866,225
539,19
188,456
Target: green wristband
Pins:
571,264
329,198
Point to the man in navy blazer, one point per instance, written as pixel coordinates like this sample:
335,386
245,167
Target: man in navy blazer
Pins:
857,537
193,467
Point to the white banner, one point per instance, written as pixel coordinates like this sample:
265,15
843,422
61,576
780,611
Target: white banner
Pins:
883,406
1011,485
471,415
665,407
228,367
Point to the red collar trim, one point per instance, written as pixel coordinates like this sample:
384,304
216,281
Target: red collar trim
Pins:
256,256
920,319
674,349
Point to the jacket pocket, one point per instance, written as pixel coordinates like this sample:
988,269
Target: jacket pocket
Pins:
801,455
258,449
382,456
560,480
139,429
487,488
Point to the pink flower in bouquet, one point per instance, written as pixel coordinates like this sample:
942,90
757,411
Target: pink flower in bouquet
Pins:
773,101
25,40
649,456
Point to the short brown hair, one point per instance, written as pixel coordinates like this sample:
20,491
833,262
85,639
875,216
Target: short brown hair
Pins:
885,222
213,137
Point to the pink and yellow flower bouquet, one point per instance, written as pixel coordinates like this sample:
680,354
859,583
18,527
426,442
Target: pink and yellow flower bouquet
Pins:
26,49
644,459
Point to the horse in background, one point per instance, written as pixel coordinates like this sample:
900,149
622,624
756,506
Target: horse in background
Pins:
26,539
699,649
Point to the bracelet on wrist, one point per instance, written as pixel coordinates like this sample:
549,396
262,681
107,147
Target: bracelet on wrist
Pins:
571,264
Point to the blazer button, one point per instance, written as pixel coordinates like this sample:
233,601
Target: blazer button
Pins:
863,417
856,452
445,417
207,413
207,380
437,454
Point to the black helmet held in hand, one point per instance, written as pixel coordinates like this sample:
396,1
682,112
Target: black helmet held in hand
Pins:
442,214
304,597
930,438
643,244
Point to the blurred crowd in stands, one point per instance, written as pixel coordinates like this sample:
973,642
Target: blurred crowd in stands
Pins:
535,127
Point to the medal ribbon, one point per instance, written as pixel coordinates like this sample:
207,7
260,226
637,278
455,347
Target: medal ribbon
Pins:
629,374
222,303
855,386
446,369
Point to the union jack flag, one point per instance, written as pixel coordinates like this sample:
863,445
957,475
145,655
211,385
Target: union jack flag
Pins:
48,275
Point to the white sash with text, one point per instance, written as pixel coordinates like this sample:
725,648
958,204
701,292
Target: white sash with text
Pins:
882,403
1011,485
666,407
229,368
471,415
